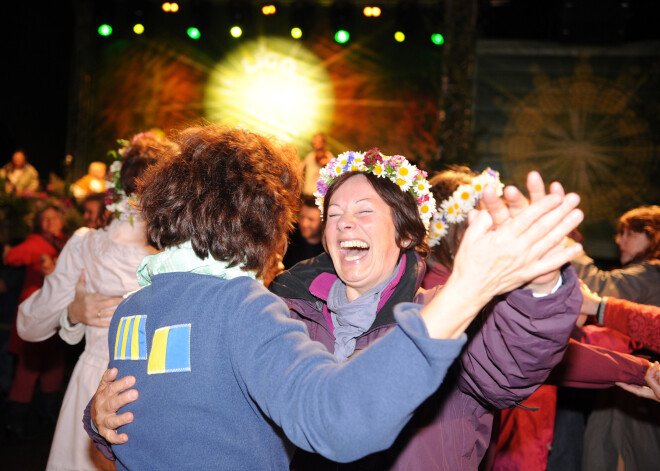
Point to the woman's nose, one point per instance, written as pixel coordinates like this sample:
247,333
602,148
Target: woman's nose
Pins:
346,222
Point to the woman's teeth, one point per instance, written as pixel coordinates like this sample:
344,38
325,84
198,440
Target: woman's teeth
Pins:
348,244
355,249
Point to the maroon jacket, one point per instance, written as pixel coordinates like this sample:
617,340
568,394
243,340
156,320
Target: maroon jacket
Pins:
513,345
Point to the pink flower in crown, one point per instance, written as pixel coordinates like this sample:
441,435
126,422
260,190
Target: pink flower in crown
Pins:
423,198
395,161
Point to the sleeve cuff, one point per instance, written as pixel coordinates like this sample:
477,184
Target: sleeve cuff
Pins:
70,333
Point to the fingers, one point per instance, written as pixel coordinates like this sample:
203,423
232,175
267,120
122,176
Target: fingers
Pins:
81,278
109,398
535,186
653,379
108,302
641,391
495,206
557,189
551,225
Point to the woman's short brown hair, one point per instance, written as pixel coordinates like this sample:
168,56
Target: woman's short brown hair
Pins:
231,192
644,219
407,222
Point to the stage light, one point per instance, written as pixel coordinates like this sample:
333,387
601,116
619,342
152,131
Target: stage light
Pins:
296,33
105,30
269,9
170,7
193,33
236,31
399,36
274,85
371,11
438,39
138,28
342,36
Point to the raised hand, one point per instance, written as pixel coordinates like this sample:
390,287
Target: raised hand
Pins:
496,258
513,204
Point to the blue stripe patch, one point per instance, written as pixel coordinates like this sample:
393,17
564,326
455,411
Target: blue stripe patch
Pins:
178,349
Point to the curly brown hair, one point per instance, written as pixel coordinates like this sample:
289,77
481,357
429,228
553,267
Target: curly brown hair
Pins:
407,222
233,193
644,219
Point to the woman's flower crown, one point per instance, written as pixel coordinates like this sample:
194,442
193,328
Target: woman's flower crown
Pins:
395,168
116,199
455,208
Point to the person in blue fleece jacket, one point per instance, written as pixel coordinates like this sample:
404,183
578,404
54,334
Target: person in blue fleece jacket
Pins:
222,370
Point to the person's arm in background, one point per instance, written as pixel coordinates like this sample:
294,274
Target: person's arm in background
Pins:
23,253
38,316
627,282
593,367
641,322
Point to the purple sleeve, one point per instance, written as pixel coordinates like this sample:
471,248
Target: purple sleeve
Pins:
99,442
517,342
593,367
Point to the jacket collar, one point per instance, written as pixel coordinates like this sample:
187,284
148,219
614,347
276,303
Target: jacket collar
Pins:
311,279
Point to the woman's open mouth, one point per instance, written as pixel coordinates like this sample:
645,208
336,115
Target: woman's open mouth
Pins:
353,249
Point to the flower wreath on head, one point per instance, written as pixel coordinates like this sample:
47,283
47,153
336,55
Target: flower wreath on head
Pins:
123,206
455,208
395,168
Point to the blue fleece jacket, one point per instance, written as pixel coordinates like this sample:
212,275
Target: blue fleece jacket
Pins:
222,370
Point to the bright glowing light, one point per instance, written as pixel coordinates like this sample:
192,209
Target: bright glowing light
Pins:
399,37
272,85
296,33
166,6
371,11
174,7
138,28
268,9
342,36
105,30
193,33
236,31
438,39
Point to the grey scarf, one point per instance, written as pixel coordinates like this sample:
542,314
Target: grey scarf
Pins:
352,319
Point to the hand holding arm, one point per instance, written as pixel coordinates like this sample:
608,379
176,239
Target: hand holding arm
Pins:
91,308
652,379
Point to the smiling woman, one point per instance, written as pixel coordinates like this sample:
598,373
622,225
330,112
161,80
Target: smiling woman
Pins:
375,228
